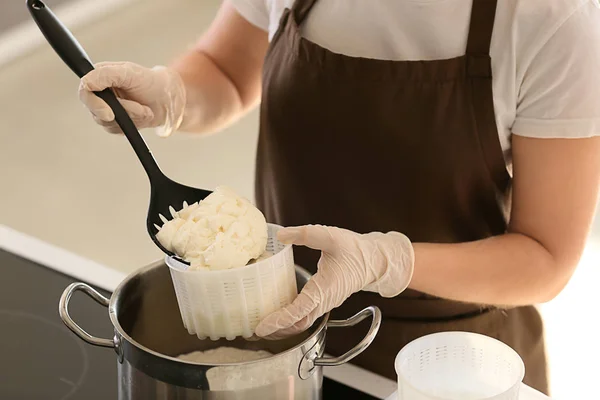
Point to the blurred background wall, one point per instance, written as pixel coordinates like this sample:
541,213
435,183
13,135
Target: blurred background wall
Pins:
65,181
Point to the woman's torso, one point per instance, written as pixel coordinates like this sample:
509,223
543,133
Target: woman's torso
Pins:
434,30
388,145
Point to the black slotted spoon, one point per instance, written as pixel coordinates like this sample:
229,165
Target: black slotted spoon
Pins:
164,192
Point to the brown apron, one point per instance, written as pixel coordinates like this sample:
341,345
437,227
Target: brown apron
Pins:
378,145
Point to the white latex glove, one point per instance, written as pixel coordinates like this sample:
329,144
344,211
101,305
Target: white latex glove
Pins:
153,97
350,262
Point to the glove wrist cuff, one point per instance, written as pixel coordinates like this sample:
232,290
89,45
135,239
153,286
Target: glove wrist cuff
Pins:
175,103
398,259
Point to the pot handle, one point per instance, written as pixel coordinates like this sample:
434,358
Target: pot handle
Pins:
63,310
375,314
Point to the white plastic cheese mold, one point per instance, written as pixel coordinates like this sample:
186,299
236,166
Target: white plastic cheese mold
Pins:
458,366
230,303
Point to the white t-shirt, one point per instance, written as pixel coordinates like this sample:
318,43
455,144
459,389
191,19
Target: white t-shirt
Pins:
545,53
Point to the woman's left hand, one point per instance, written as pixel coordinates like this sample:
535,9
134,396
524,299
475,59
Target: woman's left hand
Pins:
350,262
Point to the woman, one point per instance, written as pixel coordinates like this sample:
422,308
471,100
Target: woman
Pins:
466,132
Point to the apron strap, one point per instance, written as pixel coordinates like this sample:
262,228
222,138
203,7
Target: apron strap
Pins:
483,15
301,8
479,68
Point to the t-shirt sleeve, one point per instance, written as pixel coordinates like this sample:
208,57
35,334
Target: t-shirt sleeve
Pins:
560,92
254,11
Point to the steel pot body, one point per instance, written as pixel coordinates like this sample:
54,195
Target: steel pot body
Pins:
149,336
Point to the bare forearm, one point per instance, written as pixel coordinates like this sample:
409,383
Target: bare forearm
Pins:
510,269
212,100
222,74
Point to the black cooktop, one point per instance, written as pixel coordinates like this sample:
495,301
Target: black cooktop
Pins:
40,359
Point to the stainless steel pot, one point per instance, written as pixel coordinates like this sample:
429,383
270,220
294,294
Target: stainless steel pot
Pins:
149,336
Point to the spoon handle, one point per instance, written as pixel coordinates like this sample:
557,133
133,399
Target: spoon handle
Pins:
68,48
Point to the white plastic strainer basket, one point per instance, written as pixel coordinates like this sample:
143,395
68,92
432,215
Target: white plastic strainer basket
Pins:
458,366
230,303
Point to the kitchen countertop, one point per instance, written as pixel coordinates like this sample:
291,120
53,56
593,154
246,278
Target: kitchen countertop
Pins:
105,278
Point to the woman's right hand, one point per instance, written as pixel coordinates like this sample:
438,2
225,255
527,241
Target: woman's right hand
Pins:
153,97
211,85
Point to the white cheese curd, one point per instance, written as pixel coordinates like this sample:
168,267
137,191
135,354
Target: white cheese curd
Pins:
222,231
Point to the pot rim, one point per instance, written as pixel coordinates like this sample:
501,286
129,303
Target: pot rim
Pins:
112,312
